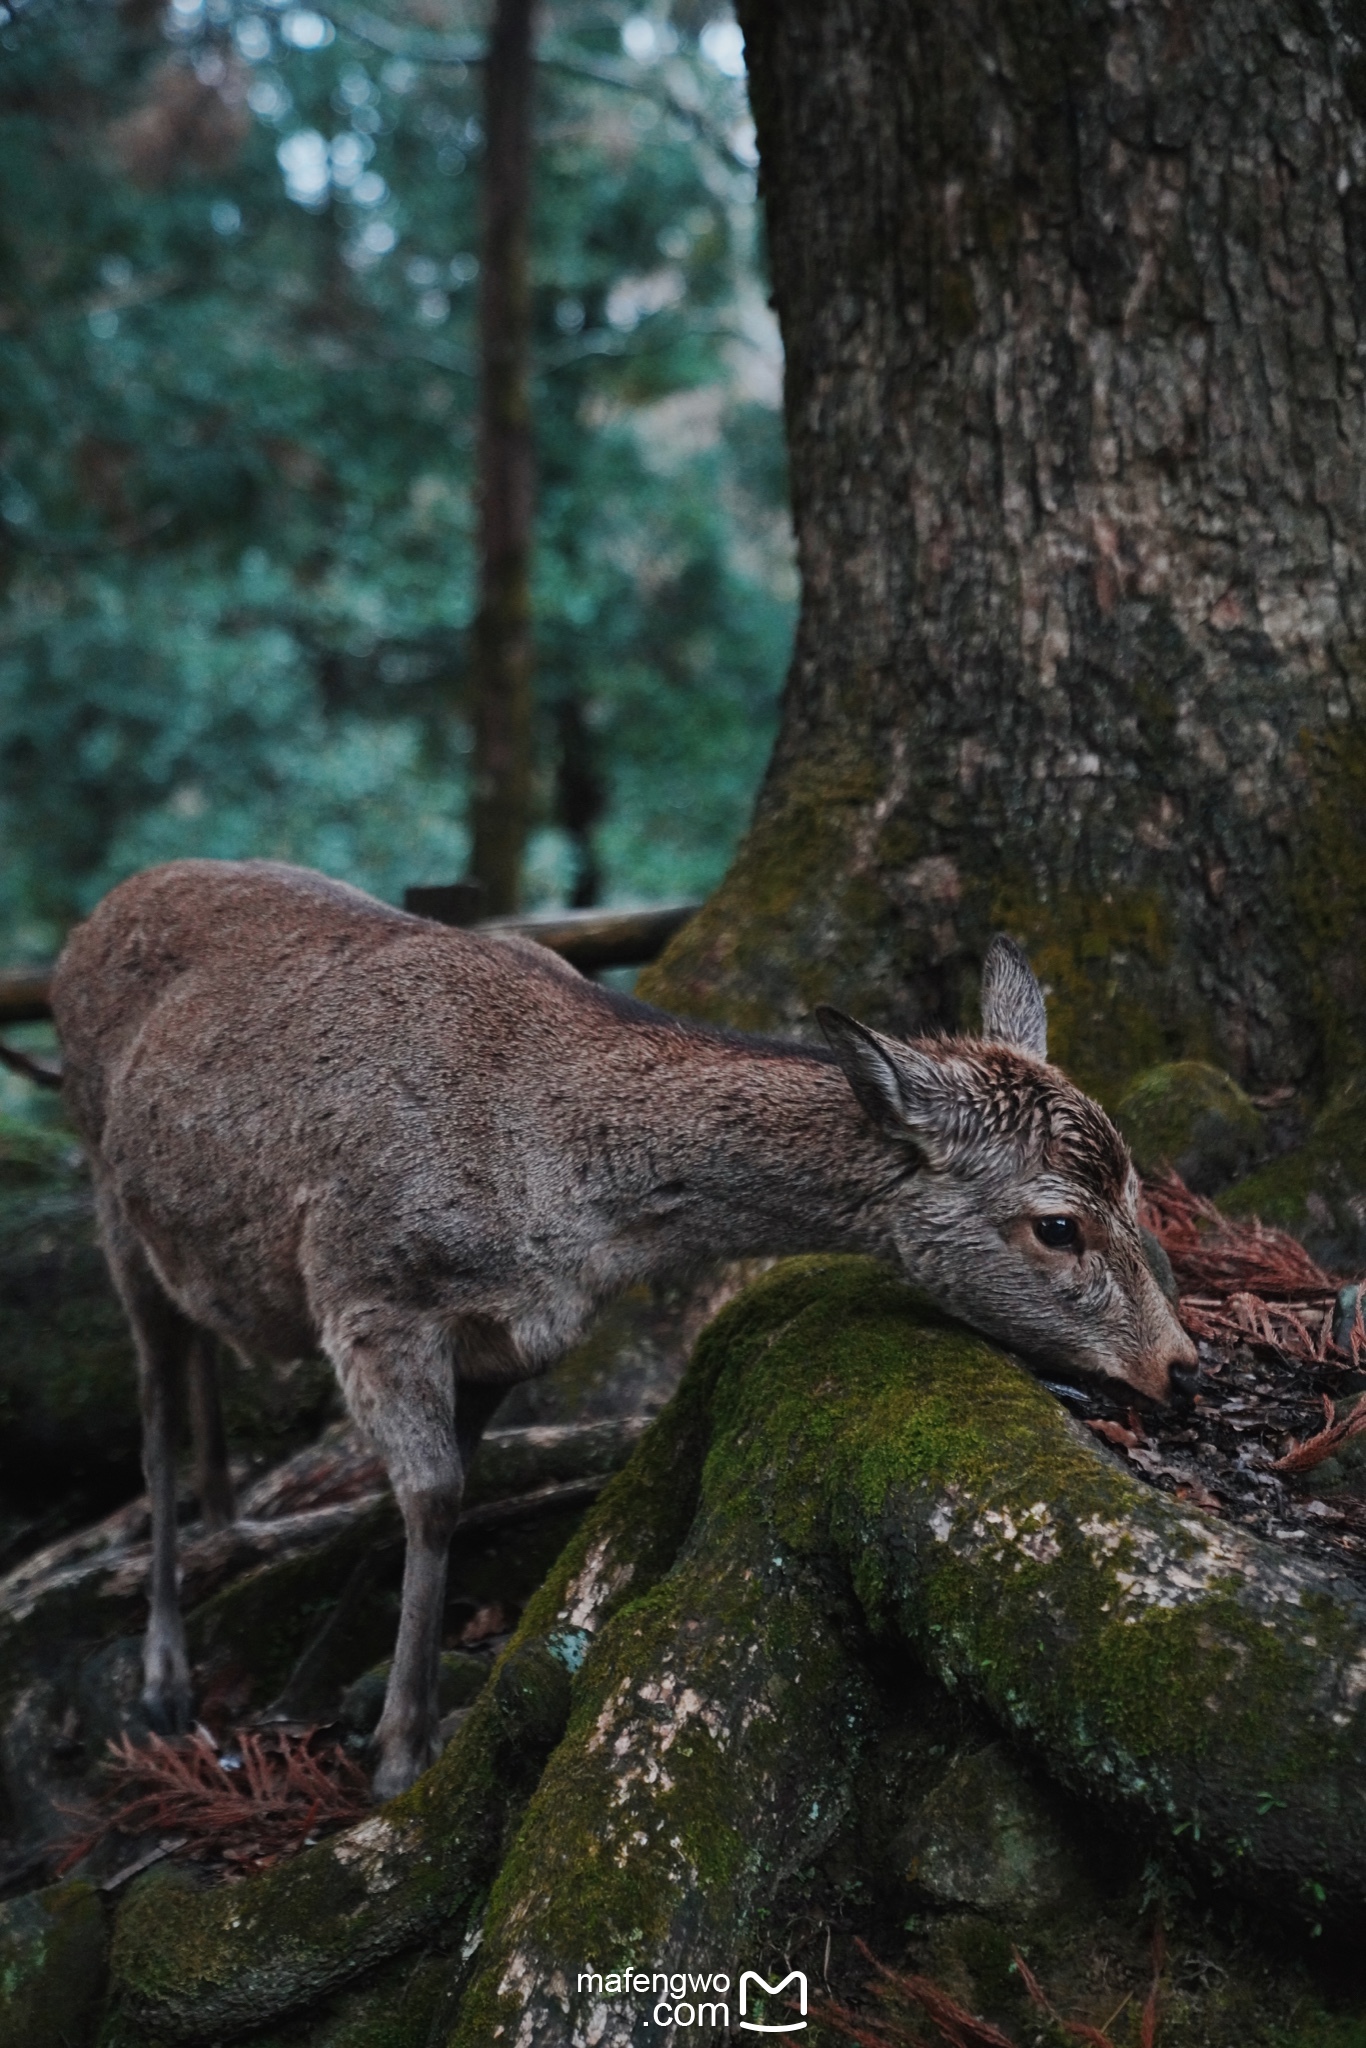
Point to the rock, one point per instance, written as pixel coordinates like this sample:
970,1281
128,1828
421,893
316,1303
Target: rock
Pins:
1191,1119
633,1357
1318,1191
69,1427
1160,1266
462,1678
986,1837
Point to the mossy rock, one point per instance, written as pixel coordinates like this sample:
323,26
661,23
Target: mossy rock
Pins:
460,1680
1319,1190
985,1837
1192,1119
54,1948
68,1394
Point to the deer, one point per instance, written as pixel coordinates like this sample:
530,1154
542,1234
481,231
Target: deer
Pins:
313,1120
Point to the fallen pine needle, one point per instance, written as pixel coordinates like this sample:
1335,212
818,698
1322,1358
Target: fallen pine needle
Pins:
264,1794
1303,1457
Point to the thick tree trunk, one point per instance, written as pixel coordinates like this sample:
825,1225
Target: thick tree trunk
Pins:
1072,297
501,647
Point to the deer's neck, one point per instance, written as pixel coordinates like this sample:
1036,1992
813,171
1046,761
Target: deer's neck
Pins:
728,1153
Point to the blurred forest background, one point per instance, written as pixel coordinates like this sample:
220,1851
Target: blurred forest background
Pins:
238,283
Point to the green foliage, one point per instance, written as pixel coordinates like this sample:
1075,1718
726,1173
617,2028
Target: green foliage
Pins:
237,285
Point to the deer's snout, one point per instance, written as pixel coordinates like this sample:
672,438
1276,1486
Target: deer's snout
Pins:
1183,1378
1168,1365
1172,1371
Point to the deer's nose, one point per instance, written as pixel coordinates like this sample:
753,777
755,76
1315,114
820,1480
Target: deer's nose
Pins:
1184,1381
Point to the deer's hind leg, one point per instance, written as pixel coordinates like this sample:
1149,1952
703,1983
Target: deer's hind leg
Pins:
396,1373
163,1338
212,1478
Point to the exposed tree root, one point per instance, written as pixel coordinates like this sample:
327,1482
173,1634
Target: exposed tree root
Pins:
678,1725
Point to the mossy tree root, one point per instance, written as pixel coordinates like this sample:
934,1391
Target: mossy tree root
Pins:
874,1474
1159,1662
192,1964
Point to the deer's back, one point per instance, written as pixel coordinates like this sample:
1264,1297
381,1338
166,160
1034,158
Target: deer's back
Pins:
254,1053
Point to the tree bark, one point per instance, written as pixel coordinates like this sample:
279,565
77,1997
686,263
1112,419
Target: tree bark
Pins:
501,664
1072,298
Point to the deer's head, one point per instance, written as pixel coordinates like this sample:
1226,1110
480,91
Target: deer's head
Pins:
1021,1215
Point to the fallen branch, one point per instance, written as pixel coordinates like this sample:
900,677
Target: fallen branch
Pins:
588,939
30,1069
320,1494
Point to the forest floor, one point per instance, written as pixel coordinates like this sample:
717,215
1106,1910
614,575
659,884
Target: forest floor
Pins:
1275,1439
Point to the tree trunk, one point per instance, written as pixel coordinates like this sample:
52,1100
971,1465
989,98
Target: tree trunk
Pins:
1072,297
502,650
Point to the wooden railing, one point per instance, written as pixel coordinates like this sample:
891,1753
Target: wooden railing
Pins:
588,939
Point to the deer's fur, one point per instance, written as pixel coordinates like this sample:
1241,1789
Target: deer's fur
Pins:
314,1120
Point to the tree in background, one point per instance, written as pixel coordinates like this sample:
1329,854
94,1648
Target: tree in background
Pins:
502,656
237,395
1073,301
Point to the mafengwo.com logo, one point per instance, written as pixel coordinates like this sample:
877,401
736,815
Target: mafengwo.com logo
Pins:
684,1999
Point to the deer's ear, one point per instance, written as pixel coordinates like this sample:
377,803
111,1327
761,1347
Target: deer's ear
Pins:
1012,1001
905,1091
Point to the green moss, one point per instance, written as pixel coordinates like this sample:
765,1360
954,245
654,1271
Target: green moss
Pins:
35,1156
1106,962
716,1727
790,926
53,1962
398,2006
833,1422
1192,1118
1317,1191
224,1959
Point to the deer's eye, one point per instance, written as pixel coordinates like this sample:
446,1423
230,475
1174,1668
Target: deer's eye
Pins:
1059,1233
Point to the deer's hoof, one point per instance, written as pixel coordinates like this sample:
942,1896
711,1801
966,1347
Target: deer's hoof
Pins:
394,1775
401,1764
167,1709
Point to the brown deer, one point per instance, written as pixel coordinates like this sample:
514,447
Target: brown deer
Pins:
314,1120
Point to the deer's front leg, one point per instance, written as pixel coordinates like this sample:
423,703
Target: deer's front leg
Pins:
397,1377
